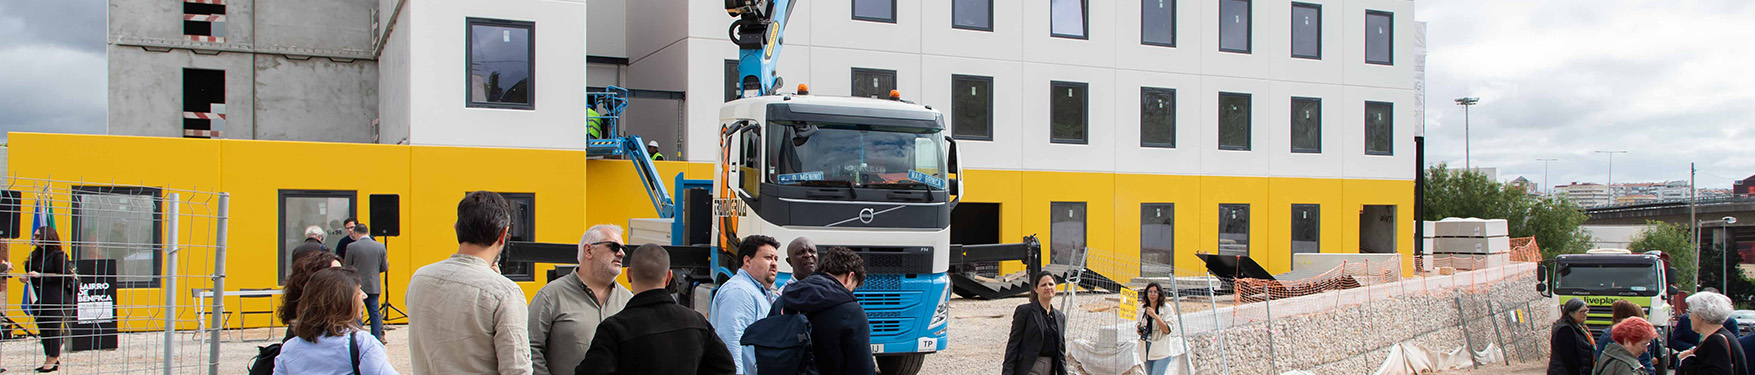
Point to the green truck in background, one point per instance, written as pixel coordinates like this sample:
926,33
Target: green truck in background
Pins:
1601,276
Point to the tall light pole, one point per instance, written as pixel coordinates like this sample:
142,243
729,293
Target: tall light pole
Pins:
1611,171
1467,102
1547,189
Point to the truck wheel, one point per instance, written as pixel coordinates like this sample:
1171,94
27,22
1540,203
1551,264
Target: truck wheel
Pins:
904,364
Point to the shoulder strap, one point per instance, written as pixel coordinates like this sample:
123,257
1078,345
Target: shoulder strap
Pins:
353,350
1726,342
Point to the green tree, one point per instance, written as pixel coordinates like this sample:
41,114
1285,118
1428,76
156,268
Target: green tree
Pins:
1671,239
1741,289
1555,223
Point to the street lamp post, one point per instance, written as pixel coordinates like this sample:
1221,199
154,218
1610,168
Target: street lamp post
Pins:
1548,189
1724,228
1611,171
1467,102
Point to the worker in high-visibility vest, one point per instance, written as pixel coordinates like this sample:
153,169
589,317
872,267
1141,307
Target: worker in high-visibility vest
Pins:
593,124
652,148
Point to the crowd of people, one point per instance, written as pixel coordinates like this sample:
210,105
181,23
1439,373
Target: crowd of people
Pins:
1704,340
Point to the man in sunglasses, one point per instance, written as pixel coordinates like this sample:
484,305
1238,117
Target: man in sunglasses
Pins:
564,315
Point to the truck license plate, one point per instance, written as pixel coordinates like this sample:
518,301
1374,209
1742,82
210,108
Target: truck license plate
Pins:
927,344
877,348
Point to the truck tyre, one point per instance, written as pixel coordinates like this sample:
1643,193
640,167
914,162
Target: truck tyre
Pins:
903,364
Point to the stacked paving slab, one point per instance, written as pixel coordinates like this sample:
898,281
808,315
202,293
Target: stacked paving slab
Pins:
1469,243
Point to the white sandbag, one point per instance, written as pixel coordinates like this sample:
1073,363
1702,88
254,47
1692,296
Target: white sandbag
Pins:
1118,359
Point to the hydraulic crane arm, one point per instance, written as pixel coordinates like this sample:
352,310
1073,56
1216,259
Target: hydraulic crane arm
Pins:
758,32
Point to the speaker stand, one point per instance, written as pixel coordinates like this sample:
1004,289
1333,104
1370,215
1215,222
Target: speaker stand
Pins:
384,305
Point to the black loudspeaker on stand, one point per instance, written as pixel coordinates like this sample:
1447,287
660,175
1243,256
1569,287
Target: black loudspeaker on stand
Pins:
385,222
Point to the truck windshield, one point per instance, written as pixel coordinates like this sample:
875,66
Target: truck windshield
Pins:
853,155
1608,279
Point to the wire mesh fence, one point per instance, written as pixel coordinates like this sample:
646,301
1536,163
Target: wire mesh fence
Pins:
1356,317
104,276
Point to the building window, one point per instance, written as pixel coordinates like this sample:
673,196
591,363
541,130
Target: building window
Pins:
1234,121
203,103
502,64
873,83
1157,117
1158,22
1067,19
1306,228
1307,125
1066,231
875,10
1379,128
122,224
1157,239
731,86
1379,37
1234,20
1234,229
300,209
972,14
1069,107
972,107
1307,31
523,230
204,22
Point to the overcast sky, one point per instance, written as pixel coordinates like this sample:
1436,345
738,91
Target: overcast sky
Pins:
1668,81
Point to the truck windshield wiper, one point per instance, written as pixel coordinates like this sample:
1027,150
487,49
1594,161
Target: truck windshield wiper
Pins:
901,185
827,183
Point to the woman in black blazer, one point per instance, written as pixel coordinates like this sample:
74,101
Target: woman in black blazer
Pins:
1037,345
47,268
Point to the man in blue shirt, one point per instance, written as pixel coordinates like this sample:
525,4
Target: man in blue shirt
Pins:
746,297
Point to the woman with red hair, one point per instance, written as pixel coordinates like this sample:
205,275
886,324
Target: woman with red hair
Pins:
1621,357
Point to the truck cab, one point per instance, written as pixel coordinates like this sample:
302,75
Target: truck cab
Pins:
1601,276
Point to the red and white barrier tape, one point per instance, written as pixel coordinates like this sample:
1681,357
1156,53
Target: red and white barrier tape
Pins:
202,133
204,38
203,115
214,2
204,17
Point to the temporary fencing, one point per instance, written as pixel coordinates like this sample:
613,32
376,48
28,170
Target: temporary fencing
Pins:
139,256
1352,318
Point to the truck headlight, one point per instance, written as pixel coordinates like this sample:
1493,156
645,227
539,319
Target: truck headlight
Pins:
943,312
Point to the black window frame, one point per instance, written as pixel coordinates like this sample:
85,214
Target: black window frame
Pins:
1154,209
1293,125
1084,21
854,82
1294,30
1315,224
74,239
353,207
526,232
1171,93
1084,221
1248,240
1172,26
1248,28
954,25
202,88
1389,128
469,25
853,10
957,110
1390,35
1084,121
1248,122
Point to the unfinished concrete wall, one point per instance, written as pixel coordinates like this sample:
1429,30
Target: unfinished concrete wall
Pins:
146,90
315,99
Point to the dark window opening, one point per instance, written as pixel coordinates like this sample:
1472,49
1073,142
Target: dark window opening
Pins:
1379,37
975,223
972,107
1157,117
1234,229
1157,239
204,22
1307,31
122,224
1067,231
972,14
1158,23
1234,31
875,10
502,64
523,230
1379,128
1306,228
1234,121
203,103
300,209
1070,107
731,86
1306,125
1377,229
873,83
1067,19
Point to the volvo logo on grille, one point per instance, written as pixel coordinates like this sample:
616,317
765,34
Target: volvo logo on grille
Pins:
866,215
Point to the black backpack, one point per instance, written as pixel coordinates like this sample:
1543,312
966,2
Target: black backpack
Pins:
263,362
783,345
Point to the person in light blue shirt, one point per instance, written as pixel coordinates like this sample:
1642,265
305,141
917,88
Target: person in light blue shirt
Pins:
327,325
746,297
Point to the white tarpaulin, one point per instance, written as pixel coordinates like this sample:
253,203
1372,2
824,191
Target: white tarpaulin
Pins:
1113,359
1406,359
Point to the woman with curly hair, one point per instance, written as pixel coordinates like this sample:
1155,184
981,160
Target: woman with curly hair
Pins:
303,267
329,338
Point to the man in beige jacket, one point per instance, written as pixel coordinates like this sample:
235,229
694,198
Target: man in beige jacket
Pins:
463,317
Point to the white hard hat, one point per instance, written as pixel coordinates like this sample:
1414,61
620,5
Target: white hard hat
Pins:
652,143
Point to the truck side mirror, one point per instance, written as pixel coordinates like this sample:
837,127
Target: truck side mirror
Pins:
1542,273
1670,276
1674,291
1543,289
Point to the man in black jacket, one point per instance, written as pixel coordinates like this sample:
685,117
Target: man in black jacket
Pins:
313,243
840,334
653,334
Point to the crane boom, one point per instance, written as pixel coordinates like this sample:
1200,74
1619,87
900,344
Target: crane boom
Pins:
758,32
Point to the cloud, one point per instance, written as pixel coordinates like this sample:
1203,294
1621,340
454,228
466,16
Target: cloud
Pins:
1667,81
55,68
